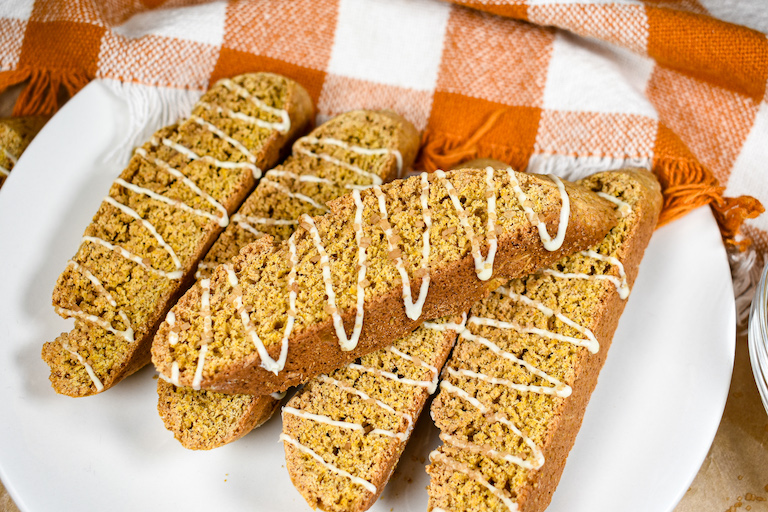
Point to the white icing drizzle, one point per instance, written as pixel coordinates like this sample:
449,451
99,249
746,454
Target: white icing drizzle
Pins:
223,136
278,395
565,212
320,418
621,284
402,436
296,195
412,309
483,266
148,225
269,364
203,266
130,256
448,326
175,374
375,179
301,178
475,475
558,388
465,444
247,221
127,334
173,335
345,343
172,202
537,455
330,467
13,158
391,376
590,342
88,367
205,311
191,155
435,371
283,127
222,219
240,116
624,208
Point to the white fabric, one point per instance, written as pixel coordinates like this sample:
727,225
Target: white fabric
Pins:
377,40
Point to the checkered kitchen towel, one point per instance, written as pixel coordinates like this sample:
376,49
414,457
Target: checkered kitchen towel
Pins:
568,86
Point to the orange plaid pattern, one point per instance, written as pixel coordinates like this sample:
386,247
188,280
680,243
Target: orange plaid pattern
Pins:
552,85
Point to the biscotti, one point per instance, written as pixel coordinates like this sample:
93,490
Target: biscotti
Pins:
514,392
357,149
344,432
381,262
161,215
354,150
15,135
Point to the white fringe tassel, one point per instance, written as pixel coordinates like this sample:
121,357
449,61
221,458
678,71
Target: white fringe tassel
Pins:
746,268
576,167
149,108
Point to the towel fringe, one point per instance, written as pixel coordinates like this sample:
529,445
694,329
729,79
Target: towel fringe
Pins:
46,89
149,108
746,267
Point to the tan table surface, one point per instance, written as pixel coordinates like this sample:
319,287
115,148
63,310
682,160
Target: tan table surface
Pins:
734,476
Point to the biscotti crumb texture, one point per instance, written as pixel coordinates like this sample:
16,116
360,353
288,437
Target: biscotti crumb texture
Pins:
347,282
161,215
344,432
354,150
15,135
514,391
357,149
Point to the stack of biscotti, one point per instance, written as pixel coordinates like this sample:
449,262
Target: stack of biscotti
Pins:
355,150
15,135
514,392
344,432
368,272
161,215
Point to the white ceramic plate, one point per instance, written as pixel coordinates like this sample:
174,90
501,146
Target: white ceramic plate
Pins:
647,429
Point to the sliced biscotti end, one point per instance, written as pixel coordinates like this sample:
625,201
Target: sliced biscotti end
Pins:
275,317
344,432
161,215
516,387
203,420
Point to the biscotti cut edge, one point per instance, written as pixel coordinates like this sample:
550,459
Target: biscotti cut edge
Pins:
91,358
454,286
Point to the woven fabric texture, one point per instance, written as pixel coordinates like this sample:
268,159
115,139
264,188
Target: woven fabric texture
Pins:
563,87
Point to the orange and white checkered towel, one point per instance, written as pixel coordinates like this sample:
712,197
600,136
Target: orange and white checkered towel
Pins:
563,86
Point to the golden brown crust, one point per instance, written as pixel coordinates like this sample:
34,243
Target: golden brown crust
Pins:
554,430
371,456
538,494
146,296
454,285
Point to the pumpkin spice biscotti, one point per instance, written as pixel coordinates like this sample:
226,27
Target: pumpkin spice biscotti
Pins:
15,135
160,217
347,283
357,149
344,432
514,392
